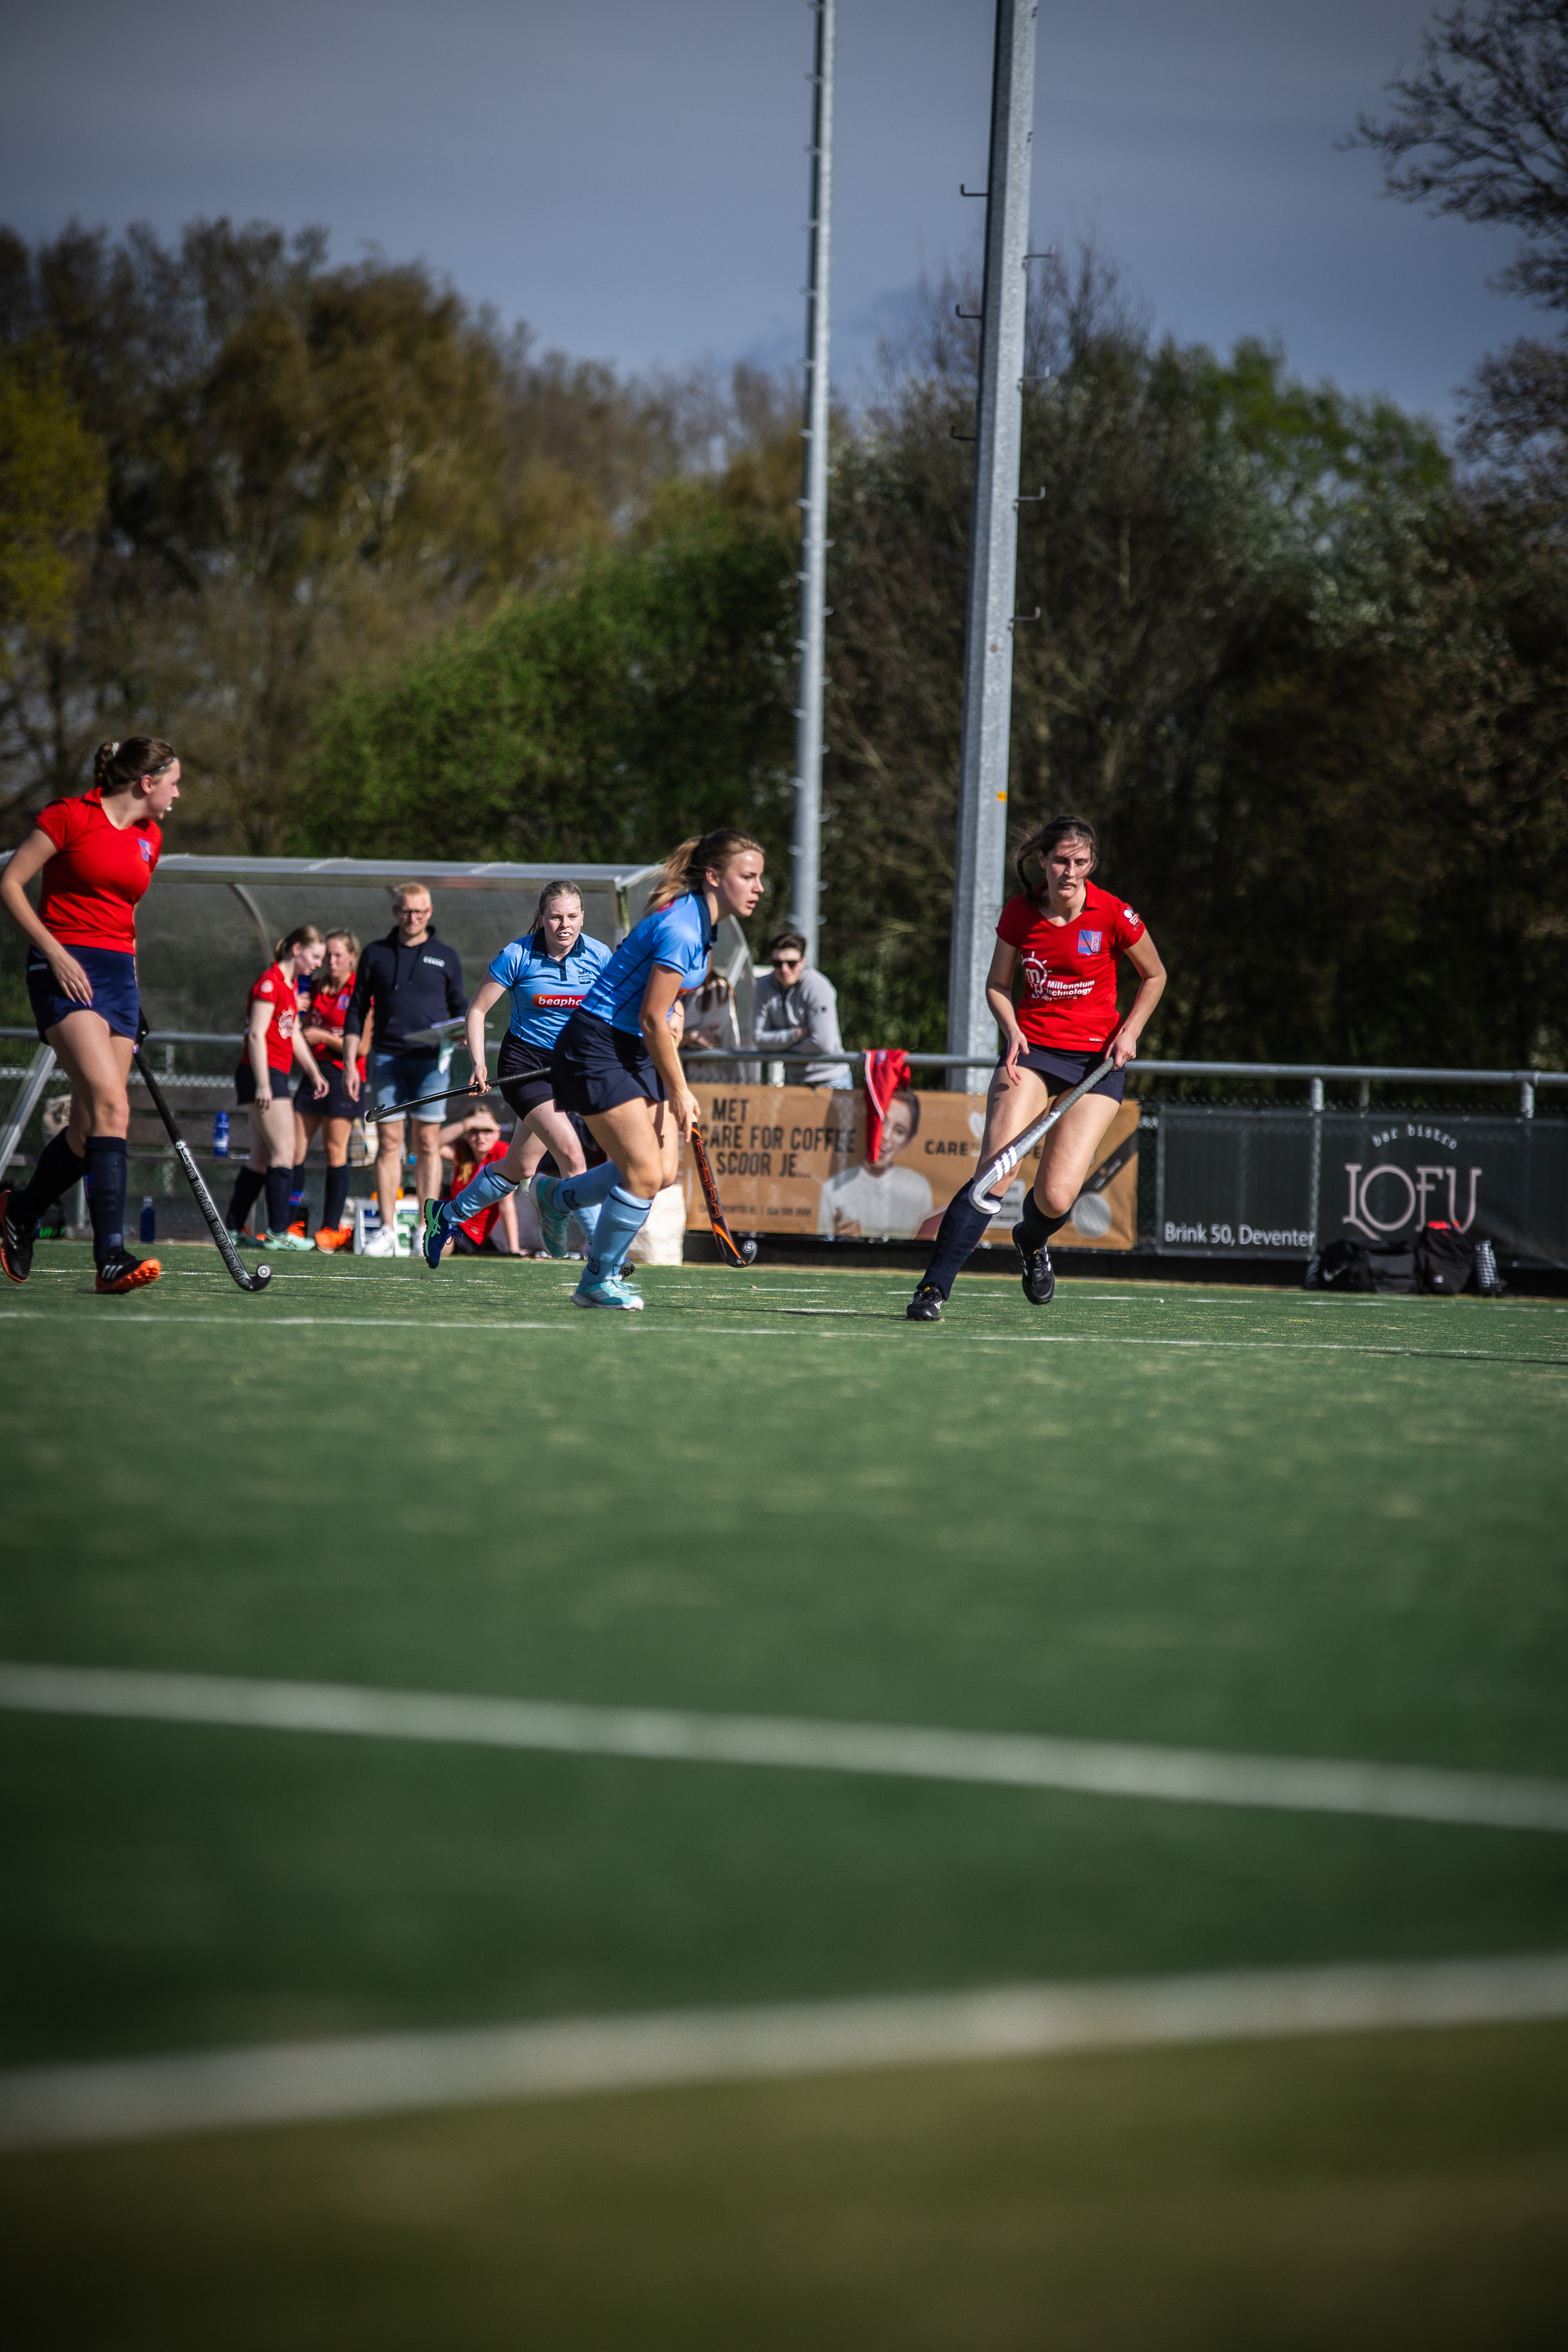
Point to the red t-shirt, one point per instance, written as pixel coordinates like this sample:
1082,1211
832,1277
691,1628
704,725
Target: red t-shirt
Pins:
1069,969
89,890
465,1167
328,1010
276,994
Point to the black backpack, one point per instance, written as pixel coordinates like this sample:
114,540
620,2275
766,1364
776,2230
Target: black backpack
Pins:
1444,1260
1362,1265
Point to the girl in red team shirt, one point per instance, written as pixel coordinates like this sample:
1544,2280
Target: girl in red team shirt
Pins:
1066,934
95,856
331,994
273,1043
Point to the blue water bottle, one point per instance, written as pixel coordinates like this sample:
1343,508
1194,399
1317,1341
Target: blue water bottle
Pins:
220,1134
149,1219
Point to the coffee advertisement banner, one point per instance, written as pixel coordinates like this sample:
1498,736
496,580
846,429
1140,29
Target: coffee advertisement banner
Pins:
792,1160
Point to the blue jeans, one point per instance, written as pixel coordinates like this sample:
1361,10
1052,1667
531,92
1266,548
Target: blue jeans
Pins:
395,1078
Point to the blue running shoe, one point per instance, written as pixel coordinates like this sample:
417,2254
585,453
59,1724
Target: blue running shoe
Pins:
609,1290
437,1231
555,1224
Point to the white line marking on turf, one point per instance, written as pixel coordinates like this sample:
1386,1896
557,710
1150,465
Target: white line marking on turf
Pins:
388,2074
150,1316
1009,1759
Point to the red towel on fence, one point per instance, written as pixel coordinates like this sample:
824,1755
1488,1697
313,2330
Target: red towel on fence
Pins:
887,1074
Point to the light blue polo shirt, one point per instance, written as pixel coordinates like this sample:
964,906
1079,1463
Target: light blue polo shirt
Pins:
546,990
679,939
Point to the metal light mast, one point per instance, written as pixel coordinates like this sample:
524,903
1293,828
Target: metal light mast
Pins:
993,541
806,883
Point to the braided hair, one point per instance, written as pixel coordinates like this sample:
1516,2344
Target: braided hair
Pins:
117,766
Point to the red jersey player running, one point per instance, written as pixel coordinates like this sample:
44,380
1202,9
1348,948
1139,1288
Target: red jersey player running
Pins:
95,856
1067,933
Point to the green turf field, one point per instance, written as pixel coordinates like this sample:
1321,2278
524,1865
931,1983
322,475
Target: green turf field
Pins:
1252,1522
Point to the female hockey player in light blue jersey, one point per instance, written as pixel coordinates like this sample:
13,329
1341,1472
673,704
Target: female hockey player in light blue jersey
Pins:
548,971
617,1059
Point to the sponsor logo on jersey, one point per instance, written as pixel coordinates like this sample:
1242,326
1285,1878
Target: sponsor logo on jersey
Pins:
1089,942
557,1000
1131,915
439,961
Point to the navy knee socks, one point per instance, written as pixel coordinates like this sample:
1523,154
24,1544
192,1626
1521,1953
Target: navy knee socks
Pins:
248,1186
278,1182
337,1193
106,1172
57,1169
1036,1226
959,1233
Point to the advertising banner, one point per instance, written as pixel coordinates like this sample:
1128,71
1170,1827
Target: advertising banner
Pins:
1282,1183
792,1160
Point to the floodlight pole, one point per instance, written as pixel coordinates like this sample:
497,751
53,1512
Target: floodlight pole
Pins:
805,877
993,540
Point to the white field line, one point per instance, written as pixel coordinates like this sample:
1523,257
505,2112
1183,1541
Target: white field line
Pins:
651,1735
315,2081
150,1318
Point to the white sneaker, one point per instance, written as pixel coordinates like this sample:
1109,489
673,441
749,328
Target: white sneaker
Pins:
379,1244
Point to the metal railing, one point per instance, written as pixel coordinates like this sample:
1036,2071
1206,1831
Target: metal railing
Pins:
1364,1074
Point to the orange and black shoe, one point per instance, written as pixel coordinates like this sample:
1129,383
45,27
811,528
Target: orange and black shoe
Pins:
333,1237
18,1235
121,1271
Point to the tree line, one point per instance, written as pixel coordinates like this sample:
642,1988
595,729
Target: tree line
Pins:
399,584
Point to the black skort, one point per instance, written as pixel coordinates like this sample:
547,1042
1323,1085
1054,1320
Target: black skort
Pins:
1062,1071
522,1073
597,1066
245,1083
335,1103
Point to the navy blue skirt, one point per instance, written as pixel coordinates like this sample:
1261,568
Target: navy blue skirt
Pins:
598,1066
1062,1071
112,973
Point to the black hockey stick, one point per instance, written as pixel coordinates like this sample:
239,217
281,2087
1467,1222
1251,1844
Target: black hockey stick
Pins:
730,1252
981,1191
242,1273
453,1094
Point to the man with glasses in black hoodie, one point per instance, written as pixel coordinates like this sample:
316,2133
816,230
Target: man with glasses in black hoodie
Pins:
410,981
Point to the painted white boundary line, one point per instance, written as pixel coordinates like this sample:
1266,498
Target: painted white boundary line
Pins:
152,1318
306,2082
1022,1760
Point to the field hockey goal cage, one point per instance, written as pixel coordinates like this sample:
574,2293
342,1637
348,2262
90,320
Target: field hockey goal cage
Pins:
209,925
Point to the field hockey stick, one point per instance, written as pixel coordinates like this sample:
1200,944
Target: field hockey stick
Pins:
1006,1159
453,1094
242,1273
730,1251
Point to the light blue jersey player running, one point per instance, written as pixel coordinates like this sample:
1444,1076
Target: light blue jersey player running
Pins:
616,1065
548,972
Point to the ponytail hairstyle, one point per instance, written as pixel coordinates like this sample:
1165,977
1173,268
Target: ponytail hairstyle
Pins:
552,891
117,766
687,868
303,935
1034,849
349,939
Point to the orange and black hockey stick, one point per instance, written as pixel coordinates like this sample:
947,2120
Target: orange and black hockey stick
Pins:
730,1251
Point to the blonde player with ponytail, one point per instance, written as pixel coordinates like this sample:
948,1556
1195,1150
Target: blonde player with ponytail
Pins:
616,1065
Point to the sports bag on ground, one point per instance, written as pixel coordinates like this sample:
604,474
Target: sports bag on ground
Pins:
1444,1260
1362,1265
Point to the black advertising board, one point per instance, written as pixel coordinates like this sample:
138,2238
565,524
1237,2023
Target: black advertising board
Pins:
1233,1182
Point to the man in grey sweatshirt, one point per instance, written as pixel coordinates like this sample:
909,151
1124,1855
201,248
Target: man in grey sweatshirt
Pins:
797,1011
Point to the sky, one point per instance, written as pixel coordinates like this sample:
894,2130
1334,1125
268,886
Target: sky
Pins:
630,176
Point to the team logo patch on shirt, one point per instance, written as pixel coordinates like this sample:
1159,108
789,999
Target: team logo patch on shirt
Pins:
1089,942
1131,915
146,850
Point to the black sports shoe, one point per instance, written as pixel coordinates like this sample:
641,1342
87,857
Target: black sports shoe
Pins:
926,1305
122,1270
17,1239
1040,1279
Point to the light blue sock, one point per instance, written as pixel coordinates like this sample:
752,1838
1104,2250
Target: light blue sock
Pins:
621,1220
576,1192
487,1187
587,1223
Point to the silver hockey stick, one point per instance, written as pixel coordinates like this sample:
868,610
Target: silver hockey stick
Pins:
1008,1159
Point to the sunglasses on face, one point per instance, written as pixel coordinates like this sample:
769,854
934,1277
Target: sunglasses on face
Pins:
785,963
